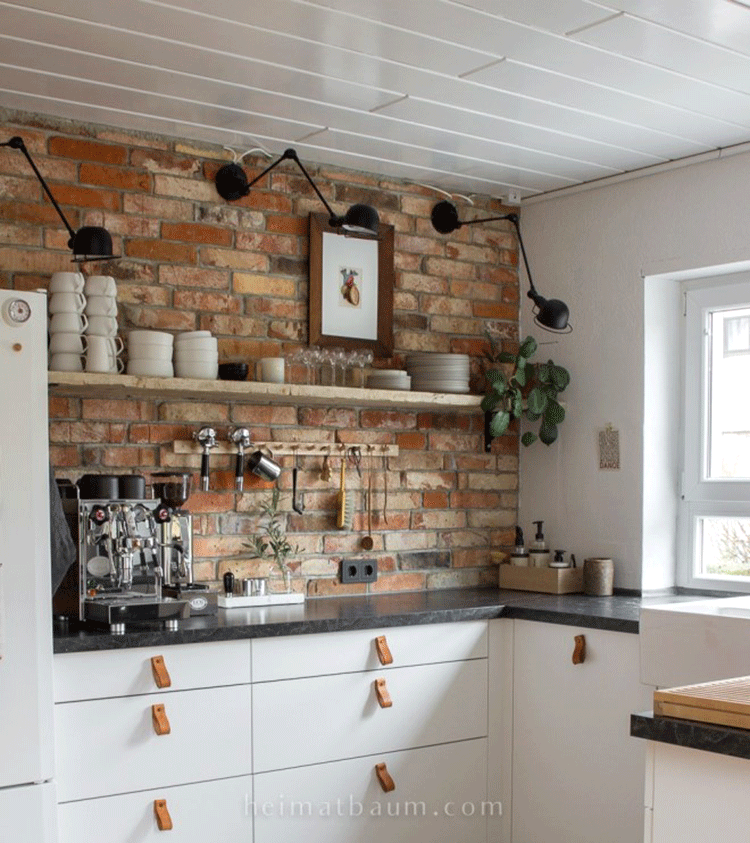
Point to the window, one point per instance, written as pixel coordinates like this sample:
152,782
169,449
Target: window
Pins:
715,507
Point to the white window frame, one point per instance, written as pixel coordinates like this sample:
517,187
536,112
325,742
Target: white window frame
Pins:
700,495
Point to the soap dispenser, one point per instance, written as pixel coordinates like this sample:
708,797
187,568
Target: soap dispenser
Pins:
559,561
539,555
519,556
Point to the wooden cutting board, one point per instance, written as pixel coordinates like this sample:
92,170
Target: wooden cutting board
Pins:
725,702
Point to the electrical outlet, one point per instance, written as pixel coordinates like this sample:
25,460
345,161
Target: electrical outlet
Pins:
359,570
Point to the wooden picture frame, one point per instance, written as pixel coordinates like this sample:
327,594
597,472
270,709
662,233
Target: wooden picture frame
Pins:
347,309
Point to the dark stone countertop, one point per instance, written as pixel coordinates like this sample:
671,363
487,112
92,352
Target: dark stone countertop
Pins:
723,740
619,613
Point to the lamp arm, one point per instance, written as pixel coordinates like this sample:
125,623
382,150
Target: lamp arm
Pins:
292,154
17,143
513,218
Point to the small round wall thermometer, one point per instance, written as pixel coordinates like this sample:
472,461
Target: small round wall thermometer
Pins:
16,311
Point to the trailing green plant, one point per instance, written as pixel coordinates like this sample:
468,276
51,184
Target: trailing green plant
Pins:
272,543
529,390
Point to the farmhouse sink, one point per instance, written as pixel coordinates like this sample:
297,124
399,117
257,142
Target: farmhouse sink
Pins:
696,641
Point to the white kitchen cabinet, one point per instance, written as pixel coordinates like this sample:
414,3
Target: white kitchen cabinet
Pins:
112,746
696,796
431,704
577,775
199,813
128,735
439,796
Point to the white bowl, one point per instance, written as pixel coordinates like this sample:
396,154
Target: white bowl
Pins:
197,344
150,368
194,369
159,337
149,351
192,335
181,356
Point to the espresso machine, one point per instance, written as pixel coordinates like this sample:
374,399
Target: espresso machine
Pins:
134,555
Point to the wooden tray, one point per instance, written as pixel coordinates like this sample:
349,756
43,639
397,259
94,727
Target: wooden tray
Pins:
545,580
725,702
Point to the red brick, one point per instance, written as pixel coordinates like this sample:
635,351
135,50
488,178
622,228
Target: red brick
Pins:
490,310
390,420
435,500
64,456
84,150
399,582
159,250
274,244
114,177
330,588
475,500
287,225
411,441
184,276
160,161
196,233
152,206
35,214
87,197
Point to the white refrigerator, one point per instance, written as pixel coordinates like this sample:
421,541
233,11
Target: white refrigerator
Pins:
27,793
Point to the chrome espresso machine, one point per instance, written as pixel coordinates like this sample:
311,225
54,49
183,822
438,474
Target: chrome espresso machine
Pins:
135,563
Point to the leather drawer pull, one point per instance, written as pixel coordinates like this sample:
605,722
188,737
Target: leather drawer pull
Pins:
161,812
384,652
384,777
579,652
159,720
161,674
381,692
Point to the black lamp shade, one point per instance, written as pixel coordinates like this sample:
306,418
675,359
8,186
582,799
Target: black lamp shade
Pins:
361,219
231,182
445,217
91,243
551,314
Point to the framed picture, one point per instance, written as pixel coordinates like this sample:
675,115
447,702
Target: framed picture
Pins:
351,288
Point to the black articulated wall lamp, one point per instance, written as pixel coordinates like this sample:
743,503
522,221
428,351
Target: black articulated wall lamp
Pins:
232,184
550,314
90,243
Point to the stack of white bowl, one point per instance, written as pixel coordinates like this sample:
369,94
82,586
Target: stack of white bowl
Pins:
432,372
67,322
150,354
388,379
196,355
104,346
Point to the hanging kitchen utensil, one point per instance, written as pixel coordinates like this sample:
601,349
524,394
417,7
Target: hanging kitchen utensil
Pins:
297,505
325,469
206,436
241,438
385,484
368,542
344,501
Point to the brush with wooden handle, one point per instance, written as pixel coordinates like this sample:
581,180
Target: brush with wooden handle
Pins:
344,502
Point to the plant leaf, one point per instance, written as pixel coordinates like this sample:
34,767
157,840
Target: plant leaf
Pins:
543,373
517,407
560,377
528,348
499,423
537,400
554,414
532,417
548,433
506,357
528,438
519,376
490,401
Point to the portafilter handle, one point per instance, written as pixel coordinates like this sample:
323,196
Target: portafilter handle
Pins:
206,436
241,438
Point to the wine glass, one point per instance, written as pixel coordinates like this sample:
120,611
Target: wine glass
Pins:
364,358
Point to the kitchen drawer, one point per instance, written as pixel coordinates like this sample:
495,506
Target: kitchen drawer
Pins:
440,795
110,746
120,673
343,652
324,718
216,810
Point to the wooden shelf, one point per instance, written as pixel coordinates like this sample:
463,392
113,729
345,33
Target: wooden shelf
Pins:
94,385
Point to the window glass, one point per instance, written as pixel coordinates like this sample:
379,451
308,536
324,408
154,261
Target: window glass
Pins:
722,547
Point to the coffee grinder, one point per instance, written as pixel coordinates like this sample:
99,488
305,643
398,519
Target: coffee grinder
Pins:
172,490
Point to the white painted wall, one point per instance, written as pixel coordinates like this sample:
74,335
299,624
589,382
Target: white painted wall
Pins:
592,249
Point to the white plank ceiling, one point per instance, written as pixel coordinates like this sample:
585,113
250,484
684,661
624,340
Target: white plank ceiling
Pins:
510,98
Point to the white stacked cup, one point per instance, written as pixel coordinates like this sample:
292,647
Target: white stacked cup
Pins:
67,322
150,354
104,346
196,355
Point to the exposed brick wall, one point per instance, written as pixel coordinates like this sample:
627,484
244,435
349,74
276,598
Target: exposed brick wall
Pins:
191,260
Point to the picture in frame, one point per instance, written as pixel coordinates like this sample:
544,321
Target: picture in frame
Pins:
351,288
